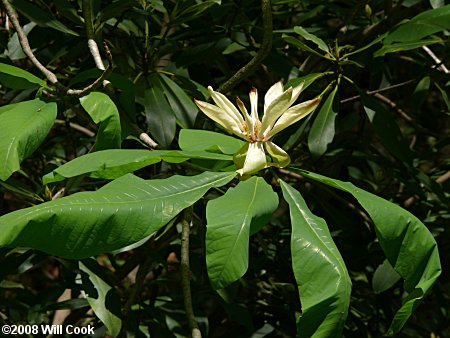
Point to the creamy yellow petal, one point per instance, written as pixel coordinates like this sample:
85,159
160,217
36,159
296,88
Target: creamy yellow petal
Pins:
222,102
296,92
255,159
294,114
221,117
276,108
273,92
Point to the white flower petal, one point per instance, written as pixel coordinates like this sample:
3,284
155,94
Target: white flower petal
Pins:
255,159
222,102
279,157
273,92
276,108
296,92
254,105
294,114
221,117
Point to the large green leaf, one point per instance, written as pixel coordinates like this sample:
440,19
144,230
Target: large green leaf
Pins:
113,163
42,18
182,105
386,128
104,112
121,213
17,78
192,139
407,243
161,121
422,25
231,219
323,281
99,296
24,126
322,130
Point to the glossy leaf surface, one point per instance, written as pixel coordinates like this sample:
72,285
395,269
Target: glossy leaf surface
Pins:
231,219
113,163
161,121
104,112
204,140
17,78
322,278
407,243
422,25
120,213
24,126
323,128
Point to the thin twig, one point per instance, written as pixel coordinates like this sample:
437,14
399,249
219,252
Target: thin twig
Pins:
94,85
356,97
77,127
403,114
438,61
185,279
266,46
12,14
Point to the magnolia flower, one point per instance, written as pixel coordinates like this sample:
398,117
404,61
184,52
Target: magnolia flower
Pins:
278,114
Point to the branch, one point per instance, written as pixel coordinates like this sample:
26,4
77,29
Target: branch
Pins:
93,47
12,14
440,65
401,84
266,46
185,279
77,127
404,115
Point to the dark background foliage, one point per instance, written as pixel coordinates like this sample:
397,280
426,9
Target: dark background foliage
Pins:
197,44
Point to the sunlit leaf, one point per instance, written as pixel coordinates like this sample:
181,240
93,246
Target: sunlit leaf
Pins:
104,112
119,214
231,219
322,278
408,245
24,126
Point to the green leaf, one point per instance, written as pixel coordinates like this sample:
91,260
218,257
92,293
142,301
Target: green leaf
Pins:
99,300
322,130
420,93
386,128
299,44
15,51
384,277
195,140
17,78
42,18
322,278
104,112
114,163
121,213
398,47
422,25
182,105
307,79
409,246
231,219
310,37
161,121
24,126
